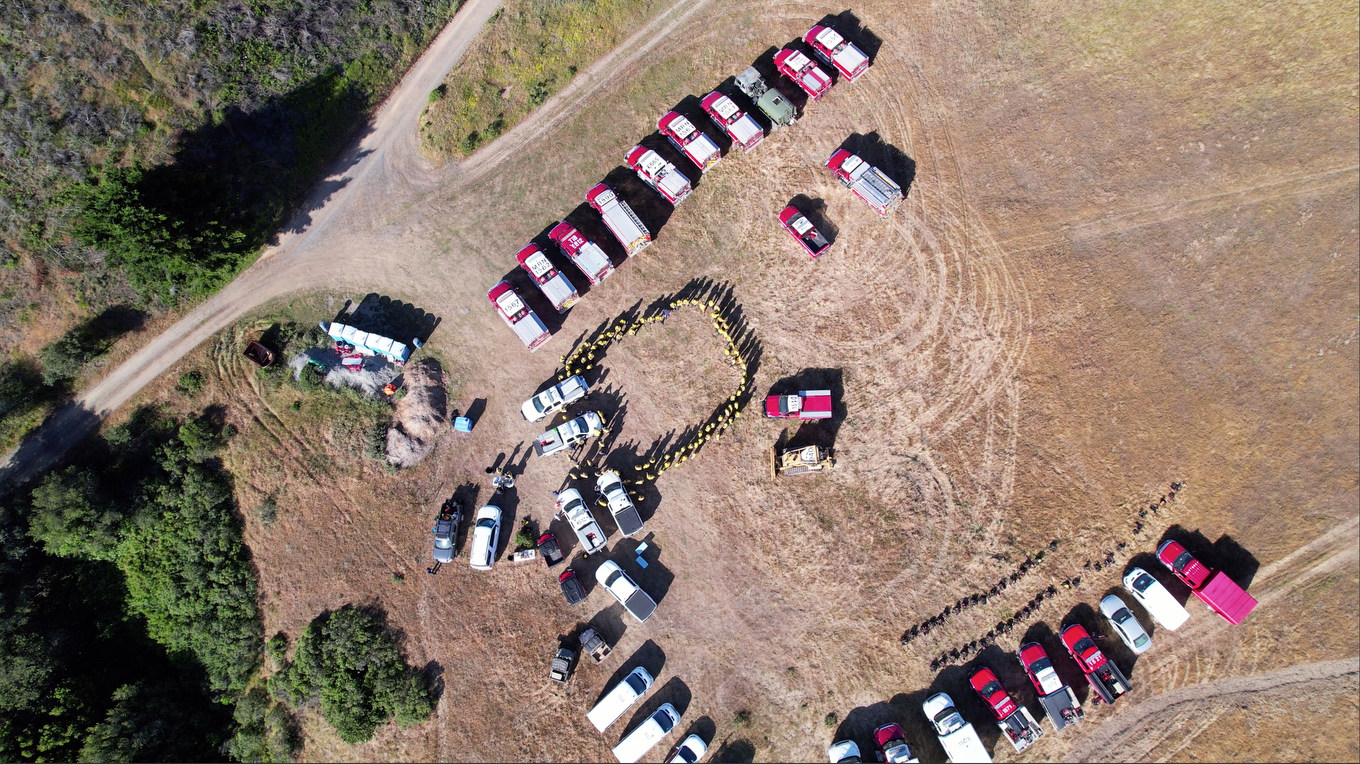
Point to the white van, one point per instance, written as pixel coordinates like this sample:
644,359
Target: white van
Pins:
617,700
637,743
1155,599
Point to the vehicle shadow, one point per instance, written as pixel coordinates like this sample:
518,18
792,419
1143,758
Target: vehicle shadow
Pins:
815,211
1234,560
382,315
734,752
465,496
674,691
814,432
655,579
851,28
649,656
891,160
608,623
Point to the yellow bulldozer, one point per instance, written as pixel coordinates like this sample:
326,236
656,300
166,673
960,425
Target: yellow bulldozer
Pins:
804,460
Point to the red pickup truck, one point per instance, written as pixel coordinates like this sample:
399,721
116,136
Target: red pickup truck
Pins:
1214,588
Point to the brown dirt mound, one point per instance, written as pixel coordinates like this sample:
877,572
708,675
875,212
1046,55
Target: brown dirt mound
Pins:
420,416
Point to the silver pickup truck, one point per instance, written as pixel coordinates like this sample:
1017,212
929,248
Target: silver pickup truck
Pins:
564,436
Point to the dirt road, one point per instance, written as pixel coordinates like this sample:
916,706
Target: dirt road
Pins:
1134,735
383,168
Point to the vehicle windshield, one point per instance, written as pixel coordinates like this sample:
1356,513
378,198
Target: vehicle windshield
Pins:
538,404
636,683
945,719
1041,665
443,542
663,720
1182,560
991,688
1084,644
1141,640
573,505
686,755
1142,583
487,523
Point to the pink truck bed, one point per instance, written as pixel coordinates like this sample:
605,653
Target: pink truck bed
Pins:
1225,597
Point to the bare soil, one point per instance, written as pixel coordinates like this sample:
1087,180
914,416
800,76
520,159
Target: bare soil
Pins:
1127,258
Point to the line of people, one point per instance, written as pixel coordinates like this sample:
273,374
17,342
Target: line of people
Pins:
978,598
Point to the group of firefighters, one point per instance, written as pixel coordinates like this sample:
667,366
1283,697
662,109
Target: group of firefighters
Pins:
583,359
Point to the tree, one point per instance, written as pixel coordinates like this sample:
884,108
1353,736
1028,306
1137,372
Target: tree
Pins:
349,663
71,520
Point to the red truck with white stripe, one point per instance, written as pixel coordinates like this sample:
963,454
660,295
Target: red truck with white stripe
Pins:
619,218
689,140
741,127
582,252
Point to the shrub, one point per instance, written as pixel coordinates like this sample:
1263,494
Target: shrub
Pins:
71,519
830,719
190,383
267,510
348,663
742,719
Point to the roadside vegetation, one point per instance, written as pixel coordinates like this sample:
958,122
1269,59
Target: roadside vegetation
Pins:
530,51
148,151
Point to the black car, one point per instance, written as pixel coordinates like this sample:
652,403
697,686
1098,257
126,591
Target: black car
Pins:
571,587
547,546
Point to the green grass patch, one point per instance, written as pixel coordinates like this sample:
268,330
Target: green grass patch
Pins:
530,50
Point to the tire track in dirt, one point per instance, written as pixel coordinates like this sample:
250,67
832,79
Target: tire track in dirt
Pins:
1134,734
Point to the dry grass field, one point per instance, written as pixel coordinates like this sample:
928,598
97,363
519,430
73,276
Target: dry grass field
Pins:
1127,257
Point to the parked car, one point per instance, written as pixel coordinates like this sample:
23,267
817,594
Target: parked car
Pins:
610,487
803,231
1155,599
1102,674
549,550
584,253
1014,720
572,588
620,698
1058,700
1178,559
1125,624
690,750
646,735
892,745
486,533
843,752
553,283
554,399
526,324
638,603
582,522
744,131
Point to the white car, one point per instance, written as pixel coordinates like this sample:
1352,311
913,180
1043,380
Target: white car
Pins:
610,486
690,750
638,603
843,751
643,737
1125,624
1155,599
588,532
553,399
486,532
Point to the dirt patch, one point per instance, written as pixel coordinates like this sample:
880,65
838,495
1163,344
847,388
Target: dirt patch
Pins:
421,415
369,378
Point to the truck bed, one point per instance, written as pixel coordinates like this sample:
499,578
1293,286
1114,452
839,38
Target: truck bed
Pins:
628,520
963,745
1062,708
1225,597
1108,682
1021,729
641,605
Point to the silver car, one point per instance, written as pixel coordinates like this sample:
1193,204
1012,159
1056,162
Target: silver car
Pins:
1125,624
485,533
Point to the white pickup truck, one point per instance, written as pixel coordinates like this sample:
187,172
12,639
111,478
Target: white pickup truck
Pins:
610,486
574,509
549,401
564,436
958,738
637,602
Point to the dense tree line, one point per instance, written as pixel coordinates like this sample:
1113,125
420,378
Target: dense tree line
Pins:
129,622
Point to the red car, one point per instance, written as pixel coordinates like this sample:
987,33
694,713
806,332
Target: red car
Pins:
1190,571
689,140
516,315
892,744
803,231
1082,648
828,45
661,175
744,131
989,688
807,404
795,65
586,254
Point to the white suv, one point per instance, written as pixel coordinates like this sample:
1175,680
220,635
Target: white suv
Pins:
486,532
